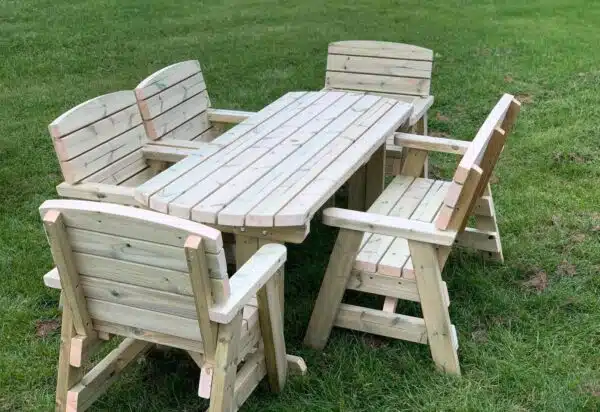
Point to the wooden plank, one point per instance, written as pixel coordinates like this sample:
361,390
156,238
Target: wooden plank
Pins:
104,155
377,83
271,325
253,275
91,111
171,97
228,116
66,375
166,77
387,225
333,287
67,267
303,206
435,310
320,128
169,120
478,239
292,234
296,365
248,378
375,176
420,107
131,222
383,66
383,285
194,252
190,129
380,49
381,323
166,154
480,142
180,144
260,203
357,190
139,178
431,144
158,183
374,249
240,171
139,251
224,375
97,381
96,133
99,192
121,170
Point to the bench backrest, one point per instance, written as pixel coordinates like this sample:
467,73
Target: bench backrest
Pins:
477,164
99,141
124,266
393,69
174,103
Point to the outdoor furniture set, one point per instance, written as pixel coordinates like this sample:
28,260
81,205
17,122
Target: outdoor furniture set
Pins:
140,253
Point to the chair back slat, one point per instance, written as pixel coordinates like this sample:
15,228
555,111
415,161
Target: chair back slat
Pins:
379,67
174,103
477,164
96,140
133,268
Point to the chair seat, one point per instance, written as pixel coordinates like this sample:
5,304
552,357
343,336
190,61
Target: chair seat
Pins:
407,197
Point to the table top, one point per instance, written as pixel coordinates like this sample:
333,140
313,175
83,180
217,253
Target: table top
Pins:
279,166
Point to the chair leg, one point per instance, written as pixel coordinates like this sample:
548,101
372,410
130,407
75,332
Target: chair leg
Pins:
489,223
226,362
440,331
421,128
67,375
333,287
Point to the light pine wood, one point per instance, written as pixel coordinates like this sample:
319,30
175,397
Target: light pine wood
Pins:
63,257
166,77
248,378
380,49
97,381
98,192
435,311
228,116
224,375
67,375
431,144
374,177
271,325
357,185
333,287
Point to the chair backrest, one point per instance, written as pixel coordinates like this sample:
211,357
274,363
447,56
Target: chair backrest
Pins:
393,69
477,164
99,140
174,103
132,266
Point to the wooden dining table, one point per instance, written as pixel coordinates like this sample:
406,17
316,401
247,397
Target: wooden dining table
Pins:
265,178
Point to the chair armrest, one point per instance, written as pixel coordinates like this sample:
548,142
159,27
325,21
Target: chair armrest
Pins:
252,276
420,107
430,143
228,116
388,225
102,192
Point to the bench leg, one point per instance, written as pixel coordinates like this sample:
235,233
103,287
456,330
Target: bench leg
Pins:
333,287
67,375
440,332
489,223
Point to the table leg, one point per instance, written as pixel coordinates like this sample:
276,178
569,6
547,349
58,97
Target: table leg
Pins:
356,190
375,176
245,247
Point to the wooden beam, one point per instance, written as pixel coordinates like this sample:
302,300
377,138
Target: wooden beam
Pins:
431,144
99,192
228,116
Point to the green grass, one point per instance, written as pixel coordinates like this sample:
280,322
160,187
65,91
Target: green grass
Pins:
521,350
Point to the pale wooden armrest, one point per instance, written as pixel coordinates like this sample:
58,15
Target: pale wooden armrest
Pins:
420,107
388,225
122,195
248,280
243,284
228,116
430,143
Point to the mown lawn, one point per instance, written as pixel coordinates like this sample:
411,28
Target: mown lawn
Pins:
529,330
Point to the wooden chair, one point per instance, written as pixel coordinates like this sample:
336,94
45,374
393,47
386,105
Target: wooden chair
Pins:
174,104
108,145
398,248
402,71
152,278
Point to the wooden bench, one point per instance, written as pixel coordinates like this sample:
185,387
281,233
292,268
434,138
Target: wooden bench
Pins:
152,278
399,247
401,71
108,145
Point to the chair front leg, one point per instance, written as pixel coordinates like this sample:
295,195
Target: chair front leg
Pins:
440,332
333,287
67,375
